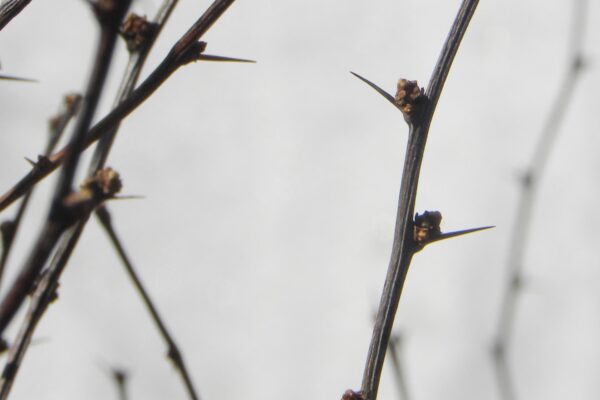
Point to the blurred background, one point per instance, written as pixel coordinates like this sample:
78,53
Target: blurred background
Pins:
270,194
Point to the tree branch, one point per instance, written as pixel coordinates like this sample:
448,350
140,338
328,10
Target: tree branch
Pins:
173,352
10,9
418,113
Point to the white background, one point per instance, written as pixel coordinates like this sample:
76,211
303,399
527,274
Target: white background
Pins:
270,199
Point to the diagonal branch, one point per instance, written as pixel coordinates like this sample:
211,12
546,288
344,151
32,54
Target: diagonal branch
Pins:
403,246
10,9
173,352
187,49
57,124
61,215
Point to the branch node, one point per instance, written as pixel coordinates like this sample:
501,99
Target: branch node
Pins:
191,53
411,100
352,395
426,227
93,191
138,32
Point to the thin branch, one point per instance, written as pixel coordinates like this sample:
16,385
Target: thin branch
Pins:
419,117
16,78
61,214
396,346
57,125
44,293
173,352
10,9
187,49
529,190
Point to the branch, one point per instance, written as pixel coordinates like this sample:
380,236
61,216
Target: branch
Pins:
187,49
173,352
62,215
10,9
57,126
418,110
529,191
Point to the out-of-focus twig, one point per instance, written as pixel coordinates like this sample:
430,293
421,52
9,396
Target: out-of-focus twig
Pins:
10,9
57,124
186,50
529,190
173,352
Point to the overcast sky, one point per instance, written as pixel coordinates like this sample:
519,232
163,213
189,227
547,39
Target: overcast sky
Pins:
270,193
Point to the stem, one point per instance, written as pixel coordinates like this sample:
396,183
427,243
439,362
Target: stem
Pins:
57,128
185,50
403,246
58,220
173,351
10,9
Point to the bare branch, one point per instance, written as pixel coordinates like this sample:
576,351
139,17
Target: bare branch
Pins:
187,49
57,125
418,112
173,352
10,9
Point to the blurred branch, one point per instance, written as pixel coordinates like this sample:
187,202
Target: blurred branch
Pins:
418,109
173,352
10,9
529,191
64,213
187,49
70,106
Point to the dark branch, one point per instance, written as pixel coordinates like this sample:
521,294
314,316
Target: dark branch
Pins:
173,351
404,246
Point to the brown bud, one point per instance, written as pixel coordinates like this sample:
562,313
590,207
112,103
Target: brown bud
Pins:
105,183
137,32
411,100
352,395
426,227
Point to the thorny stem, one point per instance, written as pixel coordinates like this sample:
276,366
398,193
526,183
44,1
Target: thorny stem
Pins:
529,190
403,246
187,49
173,352
58,219
57,127
10,9
69,240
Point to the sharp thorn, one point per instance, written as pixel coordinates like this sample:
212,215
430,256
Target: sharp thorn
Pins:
130,197
30,161
208,57
18,79
449,235
379,90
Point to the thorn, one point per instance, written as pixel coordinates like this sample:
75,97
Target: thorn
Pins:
208,57
129,197
427,229
30,161
449,235
379,90
17,78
